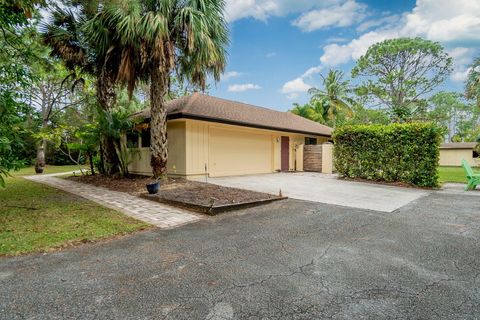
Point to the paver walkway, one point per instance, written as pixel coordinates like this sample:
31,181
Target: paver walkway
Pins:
158,214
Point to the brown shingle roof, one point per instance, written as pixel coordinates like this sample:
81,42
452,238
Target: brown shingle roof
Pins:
458,145
203,107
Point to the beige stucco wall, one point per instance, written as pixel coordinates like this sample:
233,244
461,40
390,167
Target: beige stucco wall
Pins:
453,157
176,165
223,149
327,158
299,157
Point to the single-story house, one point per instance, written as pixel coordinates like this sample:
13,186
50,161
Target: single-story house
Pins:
451,154
218,137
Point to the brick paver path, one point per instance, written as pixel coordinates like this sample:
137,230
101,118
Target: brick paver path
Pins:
158,214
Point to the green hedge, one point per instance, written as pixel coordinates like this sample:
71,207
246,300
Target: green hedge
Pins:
393,153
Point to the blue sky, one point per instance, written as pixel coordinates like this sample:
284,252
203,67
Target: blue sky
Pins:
279,47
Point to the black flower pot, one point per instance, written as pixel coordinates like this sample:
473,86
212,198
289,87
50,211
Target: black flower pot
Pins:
38,169
153,188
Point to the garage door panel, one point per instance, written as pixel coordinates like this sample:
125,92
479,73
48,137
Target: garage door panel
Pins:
235,152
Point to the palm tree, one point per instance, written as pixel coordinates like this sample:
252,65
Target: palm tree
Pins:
332,99
303,111
313,110
82,53
156,38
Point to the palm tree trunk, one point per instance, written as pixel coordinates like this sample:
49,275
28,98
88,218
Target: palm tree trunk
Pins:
110,159
158,122
90,160
106,97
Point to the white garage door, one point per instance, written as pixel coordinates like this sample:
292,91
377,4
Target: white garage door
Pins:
234,152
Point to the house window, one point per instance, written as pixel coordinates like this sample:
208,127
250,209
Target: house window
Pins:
309,140
145,138
475,154
132,139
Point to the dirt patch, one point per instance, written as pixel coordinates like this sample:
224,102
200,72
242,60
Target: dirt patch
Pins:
194,195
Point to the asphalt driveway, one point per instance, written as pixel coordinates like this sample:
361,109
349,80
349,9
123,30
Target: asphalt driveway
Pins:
326,188
286,260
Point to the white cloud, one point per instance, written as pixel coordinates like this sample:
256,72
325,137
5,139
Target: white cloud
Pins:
461,55
460,75
462,58
295,86
263,9
231,74
243,87
311,71
381,22
438,20
292,96
336,39
270,54
444,20
335,54
342,15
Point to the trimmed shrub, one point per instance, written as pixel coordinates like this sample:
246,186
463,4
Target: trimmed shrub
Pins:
407,152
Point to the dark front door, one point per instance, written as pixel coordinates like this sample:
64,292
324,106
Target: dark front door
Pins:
285,159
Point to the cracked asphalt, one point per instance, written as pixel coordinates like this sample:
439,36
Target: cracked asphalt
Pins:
286,260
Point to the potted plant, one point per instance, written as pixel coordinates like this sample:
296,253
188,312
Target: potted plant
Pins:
153,187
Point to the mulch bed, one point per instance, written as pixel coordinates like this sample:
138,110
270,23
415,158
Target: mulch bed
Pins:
194,195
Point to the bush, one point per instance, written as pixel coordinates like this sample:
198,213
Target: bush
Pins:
393,153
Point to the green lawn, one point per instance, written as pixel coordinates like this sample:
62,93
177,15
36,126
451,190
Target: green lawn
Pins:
452,174
48,169
35,218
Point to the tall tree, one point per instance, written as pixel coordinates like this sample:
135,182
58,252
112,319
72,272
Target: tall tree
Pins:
305,110
86,52
329,105
333,97
397,73
50,93
157,38
15,55
472,90
447,110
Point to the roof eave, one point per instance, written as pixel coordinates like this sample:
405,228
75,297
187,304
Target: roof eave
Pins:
182,115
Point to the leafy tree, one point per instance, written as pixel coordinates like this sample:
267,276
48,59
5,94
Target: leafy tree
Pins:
156,38
472,89
363,115
13,132
305,110
447,109
314,110
51,93
468,124
113,124
15,53
399,72
87,142
83,53
15,13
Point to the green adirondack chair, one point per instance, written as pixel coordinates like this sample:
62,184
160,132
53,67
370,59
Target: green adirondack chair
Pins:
473,178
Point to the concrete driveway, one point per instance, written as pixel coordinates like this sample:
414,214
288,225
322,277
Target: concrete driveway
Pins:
287,260
325,188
